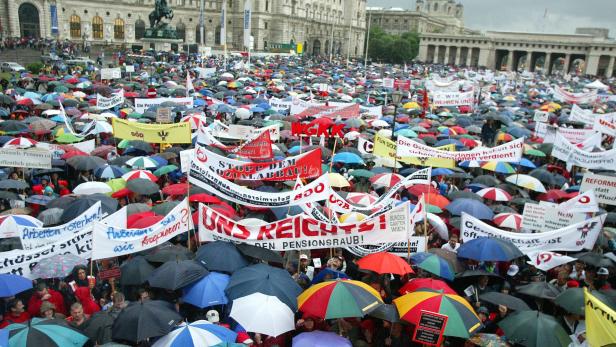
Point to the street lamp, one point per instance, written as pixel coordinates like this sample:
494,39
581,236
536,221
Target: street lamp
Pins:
396,97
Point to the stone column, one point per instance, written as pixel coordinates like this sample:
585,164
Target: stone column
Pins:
446,60
529,61
510,61
469,56
567,63
484,56
610,68
592,64
13,15
547,62
458,51
423,51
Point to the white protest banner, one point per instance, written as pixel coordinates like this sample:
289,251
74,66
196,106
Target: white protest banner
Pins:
545,260
606,124
388,83
507,152
207,179
452,98
33,237
111,73
572,155
575,98
104,103
541,116
415,244
548,133
129,68
302,232
578,114
364,146
305,165
57,151
572,238
21,262
583,203
280,104
376,111
603,186
205,72
141,105
556,218
533,217
34,158
111,240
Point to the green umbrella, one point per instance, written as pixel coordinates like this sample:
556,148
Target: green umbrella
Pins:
572,300
124,144
360,173
165,170
164,208
116,184
68,138
534,329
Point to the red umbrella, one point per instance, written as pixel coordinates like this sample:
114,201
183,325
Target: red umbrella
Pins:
224,209
131,95
383,263
145,222
25,102
204,198
419,189
122,193
422,283
322,121
130,220
72,80
73,153
176,189
553,195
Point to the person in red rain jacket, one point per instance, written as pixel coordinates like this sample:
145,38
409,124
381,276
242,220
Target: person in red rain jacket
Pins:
15,314
45,294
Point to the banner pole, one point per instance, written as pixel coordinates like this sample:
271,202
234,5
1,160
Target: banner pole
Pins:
331,164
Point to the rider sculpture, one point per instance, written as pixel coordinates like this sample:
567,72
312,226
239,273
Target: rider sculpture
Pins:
161,10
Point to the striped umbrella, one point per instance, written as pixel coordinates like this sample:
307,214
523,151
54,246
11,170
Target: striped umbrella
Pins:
416,284
495,194
434,264
44,332
526,181
339,299
497,166
20,142
508,220
142,163
131,175
362,199
462,320
109,171
9,224
386,180
198,333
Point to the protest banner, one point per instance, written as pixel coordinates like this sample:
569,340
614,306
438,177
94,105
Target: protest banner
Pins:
303,232
57,151
541,116
386,148
603,186
545,260
452,98
576,237
414,244
317,129
280,105
404,85
533,216
111,237
111,73
556,218
305,165
580,115
508,152
164,115
104,103
243,132
152,133
141,105
260,147
205,72
34,158
585,202
606,124
430,328
572,155
21,262
574,98
33,237
364,146
600,321
388,83
202,176
333,112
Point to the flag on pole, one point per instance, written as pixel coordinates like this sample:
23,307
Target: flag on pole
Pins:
545,260
223,23
600,321
247,22
189,84
583,203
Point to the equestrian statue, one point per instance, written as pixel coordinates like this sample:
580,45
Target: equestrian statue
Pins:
161,10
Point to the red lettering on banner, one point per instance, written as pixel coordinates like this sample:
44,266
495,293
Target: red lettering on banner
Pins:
325,230
307,227
208,219
334,130
265,231
284,229
225,226
243,234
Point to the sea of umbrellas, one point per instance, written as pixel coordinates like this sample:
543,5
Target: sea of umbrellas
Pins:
219,293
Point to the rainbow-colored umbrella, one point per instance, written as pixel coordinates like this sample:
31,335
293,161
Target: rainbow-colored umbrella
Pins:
339,299
434,264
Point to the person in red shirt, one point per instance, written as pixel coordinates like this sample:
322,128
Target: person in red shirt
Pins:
45,294
85,298
16,314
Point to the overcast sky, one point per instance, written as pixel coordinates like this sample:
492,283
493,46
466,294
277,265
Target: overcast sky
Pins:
563,16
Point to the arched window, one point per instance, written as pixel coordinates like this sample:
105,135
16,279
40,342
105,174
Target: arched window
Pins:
180,30
118,29
75,26
97,28
217,35
435,7
139,29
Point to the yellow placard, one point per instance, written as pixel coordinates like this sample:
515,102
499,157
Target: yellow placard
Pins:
299,48
386,148
152,133
600,321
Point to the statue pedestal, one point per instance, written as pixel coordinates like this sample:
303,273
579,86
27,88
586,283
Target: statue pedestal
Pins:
162,36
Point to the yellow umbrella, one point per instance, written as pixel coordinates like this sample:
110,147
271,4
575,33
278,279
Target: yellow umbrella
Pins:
410,105
352,217
337,180
116,184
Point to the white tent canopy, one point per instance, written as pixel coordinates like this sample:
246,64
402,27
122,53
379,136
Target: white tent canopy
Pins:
596,85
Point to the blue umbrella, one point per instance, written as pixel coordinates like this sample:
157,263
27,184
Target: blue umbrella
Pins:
319,338
441,172
109,171
475,187
257,109
208,291
473,207
12,284
518,132
449,142
330,273
434,264
489,249
39,199
347,158
199,333
199,102
526,163
45,332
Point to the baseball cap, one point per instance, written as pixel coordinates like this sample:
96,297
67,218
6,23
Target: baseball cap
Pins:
603,271
513,270
483,310
212,316
303,256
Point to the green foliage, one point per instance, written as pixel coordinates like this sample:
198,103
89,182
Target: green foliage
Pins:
395,49
35,68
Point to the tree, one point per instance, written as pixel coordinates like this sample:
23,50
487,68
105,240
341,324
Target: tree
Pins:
389,48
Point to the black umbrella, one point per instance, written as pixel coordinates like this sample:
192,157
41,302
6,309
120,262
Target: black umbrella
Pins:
260,253
220,256
544,176
461,194
13,184
61,202
121,160
511,302
86,162
542,290
487,180
9,195
143,320
47,171
141,145
386,312
14,126
595,259
534,329
262,278
176,274
169,252
77,207
142,186
135,271
572,300
99,327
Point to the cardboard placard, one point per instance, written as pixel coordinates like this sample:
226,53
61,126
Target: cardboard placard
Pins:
430,329
110,273
163,115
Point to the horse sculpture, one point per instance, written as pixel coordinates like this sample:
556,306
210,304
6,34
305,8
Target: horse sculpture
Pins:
161,10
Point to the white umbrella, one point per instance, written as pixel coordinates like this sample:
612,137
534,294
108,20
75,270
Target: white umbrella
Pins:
437,223
260,313
87,188
526,181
